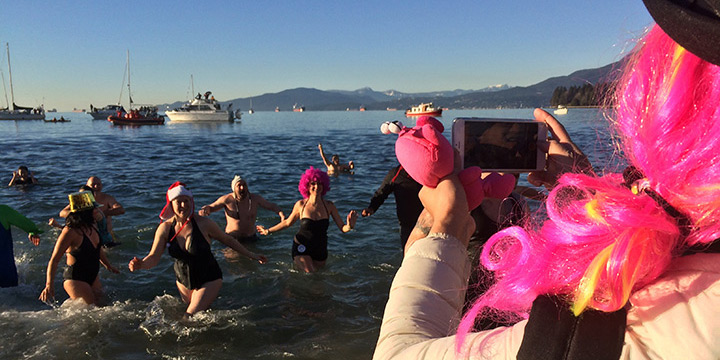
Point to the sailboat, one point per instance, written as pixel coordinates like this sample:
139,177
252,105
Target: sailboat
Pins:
14,112
251,111
145,115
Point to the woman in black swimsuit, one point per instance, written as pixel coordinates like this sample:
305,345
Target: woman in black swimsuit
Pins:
80,240
309,249
187,238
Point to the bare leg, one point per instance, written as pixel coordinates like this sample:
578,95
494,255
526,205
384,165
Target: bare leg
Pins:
202,298
77,289
304,263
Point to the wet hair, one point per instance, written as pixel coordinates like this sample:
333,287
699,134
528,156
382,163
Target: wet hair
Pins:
80,219
310,175
600,241
23,167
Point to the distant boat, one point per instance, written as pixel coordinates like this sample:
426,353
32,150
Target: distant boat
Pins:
14,112
363,108
561,110
60,120
424,109
251,111
203,109
52,110
277,109
391,109
297,108
145,115
105,111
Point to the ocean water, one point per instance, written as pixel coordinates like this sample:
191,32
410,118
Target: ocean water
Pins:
268,311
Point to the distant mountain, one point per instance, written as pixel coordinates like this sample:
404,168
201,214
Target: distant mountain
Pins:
537,95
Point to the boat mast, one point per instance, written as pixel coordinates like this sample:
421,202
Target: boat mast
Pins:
192,87
128,72
12,94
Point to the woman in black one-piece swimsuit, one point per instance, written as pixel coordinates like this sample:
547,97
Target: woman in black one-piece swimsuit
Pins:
80,240
187,238
309,250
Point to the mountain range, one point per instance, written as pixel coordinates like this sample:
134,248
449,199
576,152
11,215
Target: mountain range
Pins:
499,96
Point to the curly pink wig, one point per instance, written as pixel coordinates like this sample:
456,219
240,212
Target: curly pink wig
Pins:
310,175
601,242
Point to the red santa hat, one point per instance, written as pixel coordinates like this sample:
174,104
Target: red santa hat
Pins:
174,191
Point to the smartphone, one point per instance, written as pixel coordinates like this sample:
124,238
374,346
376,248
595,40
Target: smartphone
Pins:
505,145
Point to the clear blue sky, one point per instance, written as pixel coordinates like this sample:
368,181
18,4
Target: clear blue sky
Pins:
72,53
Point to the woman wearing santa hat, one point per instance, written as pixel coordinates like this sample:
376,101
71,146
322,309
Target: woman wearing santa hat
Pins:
187,238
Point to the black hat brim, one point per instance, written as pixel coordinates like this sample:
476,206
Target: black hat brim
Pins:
695,30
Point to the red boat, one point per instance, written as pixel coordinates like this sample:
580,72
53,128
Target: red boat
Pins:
424,109
137,117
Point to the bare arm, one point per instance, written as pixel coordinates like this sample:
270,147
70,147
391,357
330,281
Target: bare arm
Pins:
351,218
269,206
113,208
66,238
322,154
283,224
65,211
219,204
12,181
106,263
158,247
215,232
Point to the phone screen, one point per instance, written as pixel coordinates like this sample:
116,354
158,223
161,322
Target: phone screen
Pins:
502,145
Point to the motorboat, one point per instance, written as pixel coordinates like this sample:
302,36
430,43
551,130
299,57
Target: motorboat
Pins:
297,108
424,109
15,112
145,115
203,109
561,110
103,112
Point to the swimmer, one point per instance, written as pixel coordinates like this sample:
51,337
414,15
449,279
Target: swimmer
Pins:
80,241
106,238
334,166
187,238
22,176
309,250
110,206
241,208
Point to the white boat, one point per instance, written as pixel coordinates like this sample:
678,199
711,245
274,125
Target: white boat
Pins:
561,110
251,111
203,109
14,112
103,112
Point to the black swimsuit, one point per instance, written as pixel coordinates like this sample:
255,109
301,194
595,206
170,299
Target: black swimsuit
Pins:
197,266
311,238
87,262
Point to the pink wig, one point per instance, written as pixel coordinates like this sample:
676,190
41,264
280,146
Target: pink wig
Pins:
310,175
601,241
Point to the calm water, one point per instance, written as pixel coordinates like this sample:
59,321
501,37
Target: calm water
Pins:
264,311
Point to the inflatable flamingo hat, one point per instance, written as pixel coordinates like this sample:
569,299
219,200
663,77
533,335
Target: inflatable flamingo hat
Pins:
427,156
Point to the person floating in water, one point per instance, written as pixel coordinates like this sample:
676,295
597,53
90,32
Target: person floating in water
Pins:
187,238
80,242
309,250
22,176
8,216
240,210
334,167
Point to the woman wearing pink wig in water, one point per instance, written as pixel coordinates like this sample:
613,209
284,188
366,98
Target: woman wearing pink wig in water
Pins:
187,238
309,249
625,265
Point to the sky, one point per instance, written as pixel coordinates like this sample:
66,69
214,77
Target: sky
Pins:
70,54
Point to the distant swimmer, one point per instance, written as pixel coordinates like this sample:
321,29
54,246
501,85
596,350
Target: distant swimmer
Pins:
187,238
80,242
8,216
22,176
334,167
309,248
241,208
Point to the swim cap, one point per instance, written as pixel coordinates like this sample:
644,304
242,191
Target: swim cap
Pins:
235,180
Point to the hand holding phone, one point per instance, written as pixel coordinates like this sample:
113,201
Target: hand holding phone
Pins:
503,145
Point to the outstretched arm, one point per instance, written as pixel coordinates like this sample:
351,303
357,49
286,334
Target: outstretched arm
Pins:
158,247
285,223
61,245
113,208
209,209
322,154
215,232
351,218
269,206
382,193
